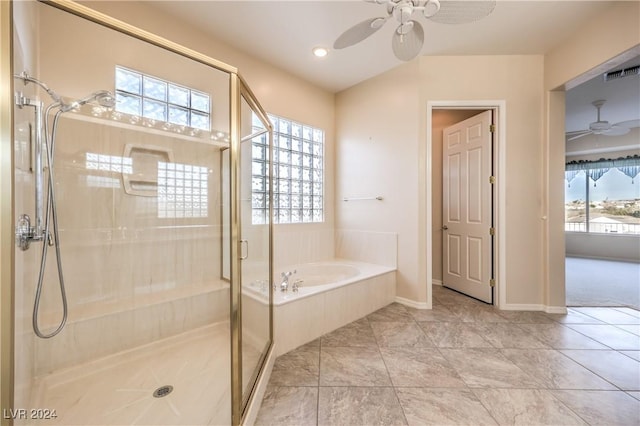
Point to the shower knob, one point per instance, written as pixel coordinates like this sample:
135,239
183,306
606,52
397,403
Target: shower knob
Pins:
24,232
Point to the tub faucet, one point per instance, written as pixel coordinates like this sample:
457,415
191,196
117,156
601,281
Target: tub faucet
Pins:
296,285
284,285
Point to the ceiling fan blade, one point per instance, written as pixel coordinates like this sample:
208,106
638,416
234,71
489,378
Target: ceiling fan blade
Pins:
463,11
577,132
407,46
616,131
359,32
578,135
629,124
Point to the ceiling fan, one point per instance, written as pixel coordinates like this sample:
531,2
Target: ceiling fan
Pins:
408,37
603,127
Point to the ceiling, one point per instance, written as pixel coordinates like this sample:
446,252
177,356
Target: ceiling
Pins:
284,32
622,98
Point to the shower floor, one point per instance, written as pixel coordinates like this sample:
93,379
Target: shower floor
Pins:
118,389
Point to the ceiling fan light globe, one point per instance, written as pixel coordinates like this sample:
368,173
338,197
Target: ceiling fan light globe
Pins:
408,46
431,8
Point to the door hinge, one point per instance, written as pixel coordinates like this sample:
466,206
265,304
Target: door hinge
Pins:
492,180
492,282
492,231
492,128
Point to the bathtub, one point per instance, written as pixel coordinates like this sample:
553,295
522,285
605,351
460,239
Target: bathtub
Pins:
331,294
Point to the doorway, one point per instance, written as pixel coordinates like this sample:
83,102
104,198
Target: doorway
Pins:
602,228
439,116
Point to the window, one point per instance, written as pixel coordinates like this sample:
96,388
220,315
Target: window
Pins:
155,99
298,166
602,199
182,190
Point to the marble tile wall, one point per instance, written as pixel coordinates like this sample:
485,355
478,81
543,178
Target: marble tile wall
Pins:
380,248
132,273
301,243
91,338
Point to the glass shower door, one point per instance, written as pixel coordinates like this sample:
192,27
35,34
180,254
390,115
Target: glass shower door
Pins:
255,247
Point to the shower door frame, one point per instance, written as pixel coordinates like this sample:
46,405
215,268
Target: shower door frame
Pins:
237,90
7,248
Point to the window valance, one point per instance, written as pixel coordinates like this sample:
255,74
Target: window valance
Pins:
629,165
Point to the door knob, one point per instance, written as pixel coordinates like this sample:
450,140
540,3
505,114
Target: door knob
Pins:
445,227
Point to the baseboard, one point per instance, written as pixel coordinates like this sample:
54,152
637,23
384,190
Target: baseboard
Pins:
436,282
613,259
534,307
256,399
412,303
556,309
522,307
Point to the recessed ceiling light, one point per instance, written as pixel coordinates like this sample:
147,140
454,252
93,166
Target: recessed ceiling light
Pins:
320,52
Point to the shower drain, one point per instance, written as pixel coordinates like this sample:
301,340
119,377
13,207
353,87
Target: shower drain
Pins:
162,391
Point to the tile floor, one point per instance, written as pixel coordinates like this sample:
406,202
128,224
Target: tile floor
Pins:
463,363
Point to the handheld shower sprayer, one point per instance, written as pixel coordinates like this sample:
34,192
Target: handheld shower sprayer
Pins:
104,98
46,228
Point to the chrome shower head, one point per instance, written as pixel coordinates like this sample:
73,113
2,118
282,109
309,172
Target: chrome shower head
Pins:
104,98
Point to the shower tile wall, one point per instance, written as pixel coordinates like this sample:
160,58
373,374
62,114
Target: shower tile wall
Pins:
301,243
132,277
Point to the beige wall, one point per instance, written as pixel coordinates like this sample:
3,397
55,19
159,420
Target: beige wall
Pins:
377,155
609,34
517,80
381,135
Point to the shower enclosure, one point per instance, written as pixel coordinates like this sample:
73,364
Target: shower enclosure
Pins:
128,159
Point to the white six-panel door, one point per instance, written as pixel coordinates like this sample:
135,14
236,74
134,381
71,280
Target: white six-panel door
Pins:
467,203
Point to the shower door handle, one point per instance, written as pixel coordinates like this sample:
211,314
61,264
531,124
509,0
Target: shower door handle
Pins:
246,244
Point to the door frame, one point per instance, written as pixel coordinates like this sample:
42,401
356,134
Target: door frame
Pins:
499,108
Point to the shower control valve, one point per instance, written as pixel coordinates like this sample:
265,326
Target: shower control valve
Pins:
25,233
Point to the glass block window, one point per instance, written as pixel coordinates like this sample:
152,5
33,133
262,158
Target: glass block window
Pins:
182,190
108,163
160,100
298,166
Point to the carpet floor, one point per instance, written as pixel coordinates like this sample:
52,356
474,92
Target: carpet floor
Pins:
593,282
